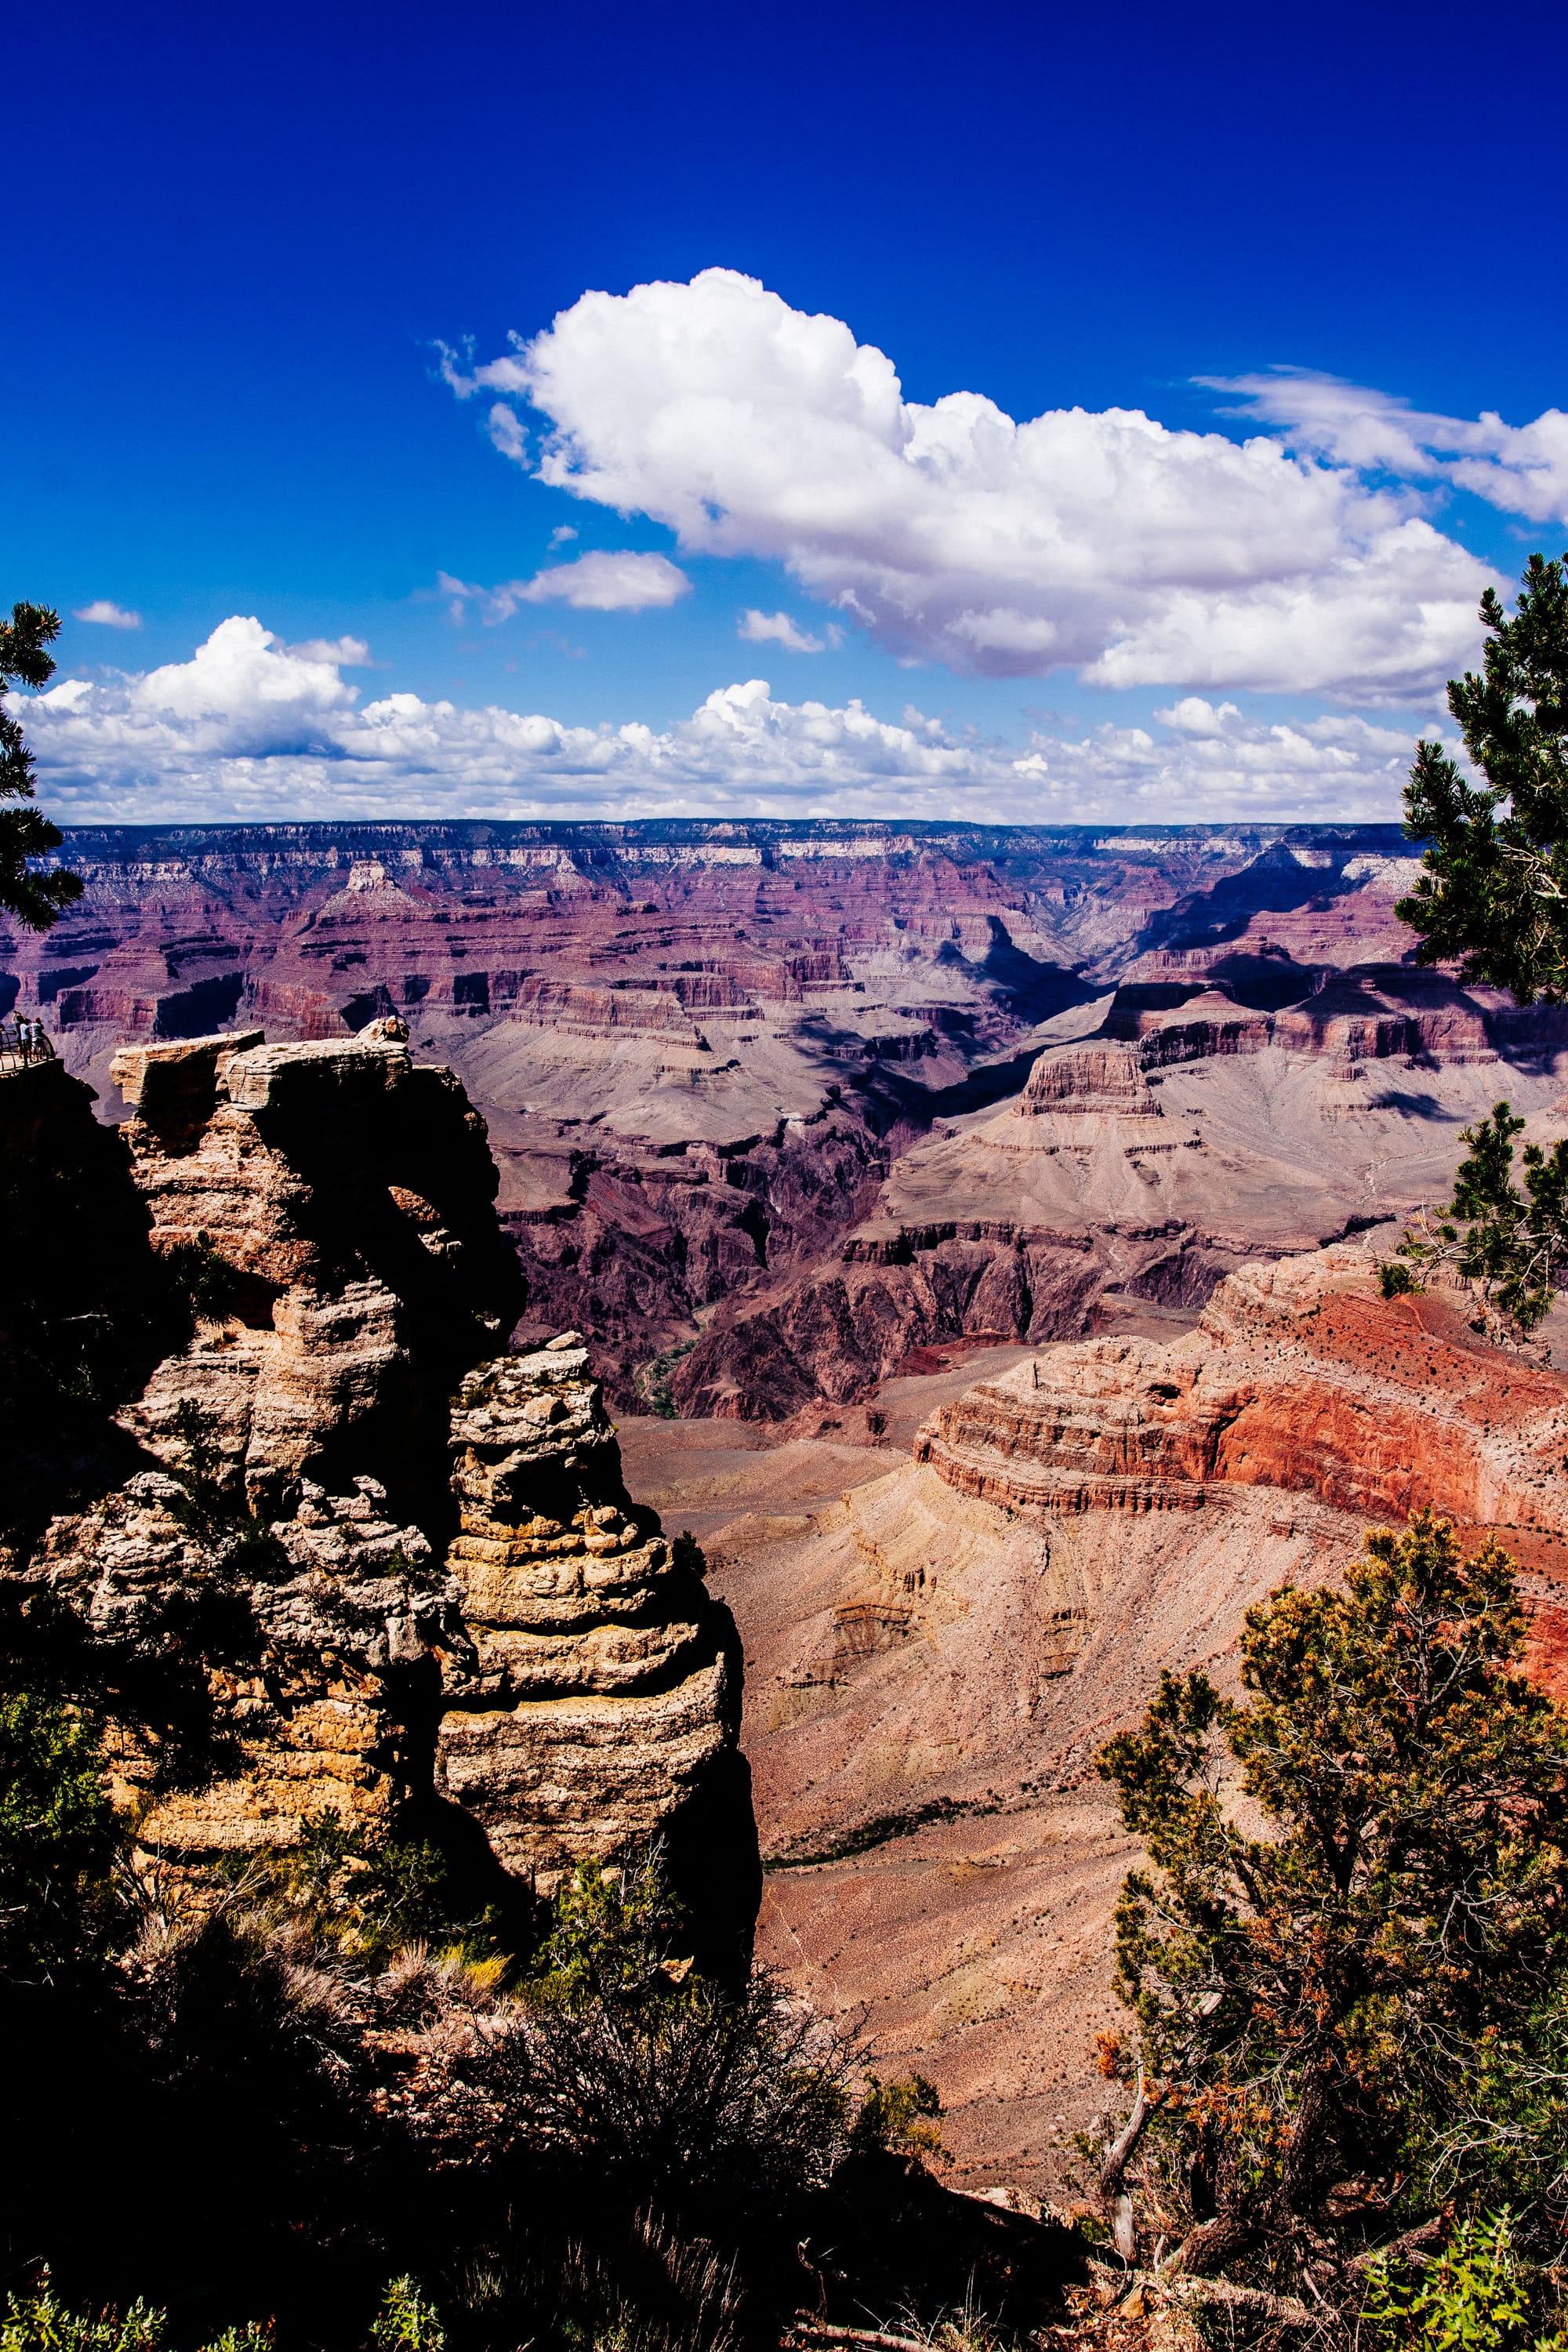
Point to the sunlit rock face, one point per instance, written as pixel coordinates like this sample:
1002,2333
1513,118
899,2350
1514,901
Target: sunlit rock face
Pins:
603,1711
325,1590
346,1195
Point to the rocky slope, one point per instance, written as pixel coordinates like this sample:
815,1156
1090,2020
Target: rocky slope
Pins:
256,1574
935,1651
702,1049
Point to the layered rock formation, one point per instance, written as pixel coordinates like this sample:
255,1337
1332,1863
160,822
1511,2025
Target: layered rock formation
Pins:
602,1706
934,1657
256,1684
1140,1164
258,1590
1299,1376
338,1201
743,1080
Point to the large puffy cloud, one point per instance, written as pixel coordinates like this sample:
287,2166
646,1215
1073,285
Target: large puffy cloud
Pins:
252,728
1522,469
1100,540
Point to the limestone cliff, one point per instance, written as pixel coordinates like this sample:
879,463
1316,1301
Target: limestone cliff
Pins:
1299,1376
253,1580
340,1197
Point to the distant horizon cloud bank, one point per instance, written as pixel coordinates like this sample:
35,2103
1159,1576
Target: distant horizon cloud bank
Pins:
253,729
1302,559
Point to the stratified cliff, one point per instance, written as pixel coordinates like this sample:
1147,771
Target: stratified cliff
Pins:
1193,1129
702,1047
604,1705
252,1576
1300,1376
343,1196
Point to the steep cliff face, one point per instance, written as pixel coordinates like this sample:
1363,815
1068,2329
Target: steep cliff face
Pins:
340,1197
257,1584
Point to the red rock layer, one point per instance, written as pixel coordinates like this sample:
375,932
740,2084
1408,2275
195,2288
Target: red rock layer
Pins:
1300,1375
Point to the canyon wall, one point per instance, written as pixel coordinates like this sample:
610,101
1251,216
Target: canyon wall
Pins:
701,1049
756,1090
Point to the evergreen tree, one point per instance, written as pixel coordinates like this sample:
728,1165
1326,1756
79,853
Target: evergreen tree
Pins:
1494,896
1354,1905
35,899
1510,1246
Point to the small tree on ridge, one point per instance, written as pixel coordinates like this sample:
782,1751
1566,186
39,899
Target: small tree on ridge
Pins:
35,899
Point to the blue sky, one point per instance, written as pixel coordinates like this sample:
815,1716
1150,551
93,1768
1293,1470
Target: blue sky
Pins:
249,236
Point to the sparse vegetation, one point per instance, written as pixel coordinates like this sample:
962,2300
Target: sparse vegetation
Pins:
1508,1245
905,2114
311,2041
57,1838
41,2322
1350,1934
209,1282
882,1829
623,2061
652,1378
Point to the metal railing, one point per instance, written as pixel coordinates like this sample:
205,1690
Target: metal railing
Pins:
24,1043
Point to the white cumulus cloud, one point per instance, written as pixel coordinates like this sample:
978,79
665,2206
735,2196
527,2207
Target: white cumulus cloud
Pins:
1100,540
607,581
756,628
107,615
250,727
348,653
1522,469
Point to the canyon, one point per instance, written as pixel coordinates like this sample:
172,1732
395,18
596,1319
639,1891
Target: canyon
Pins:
755,1089
938,1640
972,1232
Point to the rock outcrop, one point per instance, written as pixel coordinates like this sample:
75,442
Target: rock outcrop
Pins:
602,1708
256,1680
937,1647
1299,1376
259,1591
335,1206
